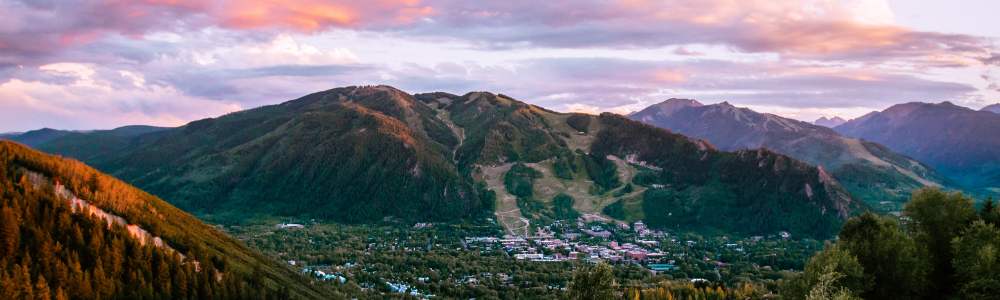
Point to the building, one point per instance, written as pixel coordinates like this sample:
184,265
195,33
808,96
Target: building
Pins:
529,256
603,234
657,268
635,255
570,236
638,225
291,226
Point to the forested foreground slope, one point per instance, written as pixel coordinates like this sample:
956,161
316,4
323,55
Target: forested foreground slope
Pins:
50,249
359,154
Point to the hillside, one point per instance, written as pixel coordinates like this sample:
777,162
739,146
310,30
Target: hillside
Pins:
869,170
353,154
129,244
359,154
35,137
959,142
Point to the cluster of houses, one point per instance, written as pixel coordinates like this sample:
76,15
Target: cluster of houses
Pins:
323,275
535,247
403,288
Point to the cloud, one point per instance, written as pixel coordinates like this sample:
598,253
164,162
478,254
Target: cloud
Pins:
830,30
582,108
614,84
92,102
161,61
682,51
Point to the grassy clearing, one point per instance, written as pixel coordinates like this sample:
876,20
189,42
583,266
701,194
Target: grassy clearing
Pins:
860,151
507,213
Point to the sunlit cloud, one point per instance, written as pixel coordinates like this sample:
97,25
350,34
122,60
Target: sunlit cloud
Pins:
582,108
172,61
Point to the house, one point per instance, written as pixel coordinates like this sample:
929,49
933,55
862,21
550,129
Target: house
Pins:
636,255
570,236
291,226
638,226
529,256
603,234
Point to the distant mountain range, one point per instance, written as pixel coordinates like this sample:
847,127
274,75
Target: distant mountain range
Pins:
869,170
995,108
359,154
961,143
45,135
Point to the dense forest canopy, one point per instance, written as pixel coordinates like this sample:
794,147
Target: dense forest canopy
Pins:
52,252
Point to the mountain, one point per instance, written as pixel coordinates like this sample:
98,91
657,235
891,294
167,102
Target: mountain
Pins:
869,170
834,122
961,143
995,108
358,154
68,231
37,137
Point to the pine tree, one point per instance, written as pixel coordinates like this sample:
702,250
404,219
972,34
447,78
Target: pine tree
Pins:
59,294
989,212
22,279
9,233
8,287
41,289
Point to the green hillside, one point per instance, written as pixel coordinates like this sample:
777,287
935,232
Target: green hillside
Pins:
47,248
352,154
359,154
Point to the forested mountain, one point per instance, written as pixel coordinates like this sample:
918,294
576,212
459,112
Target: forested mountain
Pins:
869,170
68,231
359,154
35,137
345,154
959,142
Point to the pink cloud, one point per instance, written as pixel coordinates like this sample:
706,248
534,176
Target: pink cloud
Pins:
682,51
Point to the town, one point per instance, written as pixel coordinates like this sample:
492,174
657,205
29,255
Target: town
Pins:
378,257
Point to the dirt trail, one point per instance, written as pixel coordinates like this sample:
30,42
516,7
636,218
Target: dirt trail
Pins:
445,117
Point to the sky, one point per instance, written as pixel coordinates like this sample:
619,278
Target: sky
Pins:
86,64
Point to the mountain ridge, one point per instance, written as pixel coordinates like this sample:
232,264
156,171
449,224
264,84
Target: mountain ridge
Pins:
733,128
993,108
959,142
363,153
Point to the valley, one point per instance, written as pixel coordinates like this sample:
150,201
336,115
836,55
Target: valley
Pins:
482,196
